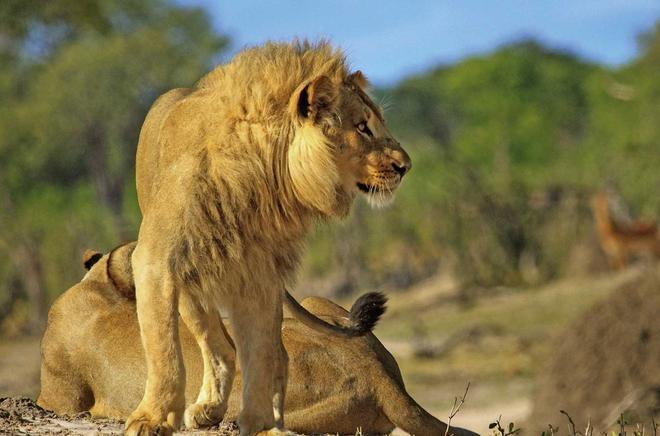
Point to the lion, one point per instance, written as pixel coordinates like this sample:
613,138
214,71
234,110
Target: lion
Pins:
92,360
621,241
230,176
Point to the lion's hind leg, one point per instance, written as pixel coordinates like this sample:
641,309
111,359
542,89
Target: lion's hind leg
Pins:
163,403
218,356
255,329
280,374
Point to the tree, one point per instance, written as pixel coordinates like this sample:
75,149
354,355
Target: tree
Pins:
80,77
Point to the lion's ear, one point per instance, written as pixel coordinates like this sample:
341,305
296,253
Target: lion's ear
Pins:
317,99
90,257
358,79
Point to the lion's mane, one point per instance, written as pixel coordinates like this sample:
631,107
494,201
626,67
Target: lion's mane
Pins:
261,157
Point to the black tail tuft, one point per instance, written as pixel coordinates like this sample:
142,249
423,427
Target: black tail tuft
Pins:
366,311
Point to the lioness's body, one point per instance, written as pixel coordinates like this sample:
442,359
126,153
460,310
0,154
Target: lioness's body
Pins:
92,359
230,175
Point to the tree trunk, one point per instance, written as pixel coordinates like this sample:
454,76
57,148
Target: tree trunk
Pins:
30,272
109,187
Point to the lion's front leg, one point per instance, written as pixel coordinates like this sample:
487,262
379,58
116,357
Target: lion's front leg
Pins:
161,408
218,356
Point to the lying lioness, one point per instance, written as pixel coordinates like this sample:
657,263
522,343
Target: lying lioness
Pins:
92,359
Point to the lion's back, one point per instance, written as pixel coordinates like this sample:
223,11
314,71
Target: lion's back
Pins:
147,161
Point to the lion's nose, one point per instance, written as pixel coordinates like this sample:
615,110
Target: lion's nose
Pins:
401,169
399,159
402,165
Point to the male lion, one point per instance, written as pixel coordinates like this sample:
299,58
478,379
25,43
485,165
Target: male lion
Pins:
92,360
230,176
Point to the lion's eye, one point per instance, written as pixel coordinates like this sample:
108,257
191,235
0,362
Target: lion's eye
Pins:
363,128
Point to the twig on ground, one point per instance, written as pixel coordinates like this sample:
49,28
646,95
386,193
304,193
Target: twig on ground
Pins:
458,403
622,425
571,424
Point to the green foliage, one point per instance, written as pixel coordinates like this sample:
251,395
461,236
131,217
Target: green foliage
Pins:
79,79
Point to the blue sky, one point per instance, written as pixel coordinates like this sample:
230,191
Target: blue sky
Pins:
391,39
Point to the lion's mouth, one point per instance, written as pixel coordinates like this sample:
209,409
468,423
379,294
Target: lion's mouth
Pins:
377,196
377,189
366,188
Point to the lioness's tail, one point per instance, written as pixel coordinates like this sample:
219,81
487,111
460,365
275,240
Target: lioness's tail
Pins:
364,314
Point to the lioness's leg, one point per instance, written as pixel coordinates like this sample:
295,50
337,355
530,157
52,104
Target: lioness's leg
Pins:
255,327
280,374
161,408
218,356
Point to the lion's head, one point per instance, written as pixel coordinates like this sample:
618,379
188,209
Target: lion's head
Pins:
342,146
312,121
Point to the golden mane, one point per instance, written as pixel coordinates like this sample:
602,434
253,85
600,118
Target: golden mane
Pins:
256,88
261,80
266,157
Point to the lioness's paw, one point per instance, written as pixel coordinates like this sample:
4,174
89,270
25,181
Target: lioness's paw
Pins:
139,424
204,414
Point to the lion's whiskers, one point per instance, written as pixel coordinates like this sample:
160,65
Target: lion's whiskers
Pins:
380,197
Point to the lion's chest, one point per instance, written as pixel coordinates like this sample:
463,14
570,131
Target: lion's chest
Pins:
224,256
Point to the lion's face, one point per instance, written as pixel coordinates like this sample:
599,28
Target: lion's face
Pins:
344,147
370,161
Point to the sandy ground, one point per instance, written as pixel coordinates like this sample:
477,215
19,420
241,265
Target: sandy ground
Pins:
23,416
19,368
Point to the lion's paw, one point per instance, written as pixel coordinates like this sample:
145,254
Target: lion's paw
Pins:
140,424
204,414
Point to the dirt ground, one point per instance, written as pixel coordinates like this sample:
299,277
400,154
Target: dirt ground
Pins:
19,367
19,415
22,416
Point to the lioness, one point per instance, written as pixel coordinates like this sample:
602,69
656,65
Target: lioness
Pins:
92,360
230,176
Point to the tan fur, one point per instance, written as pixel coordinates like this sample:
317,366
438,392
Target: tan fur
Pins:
620,242
230,175
92,360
